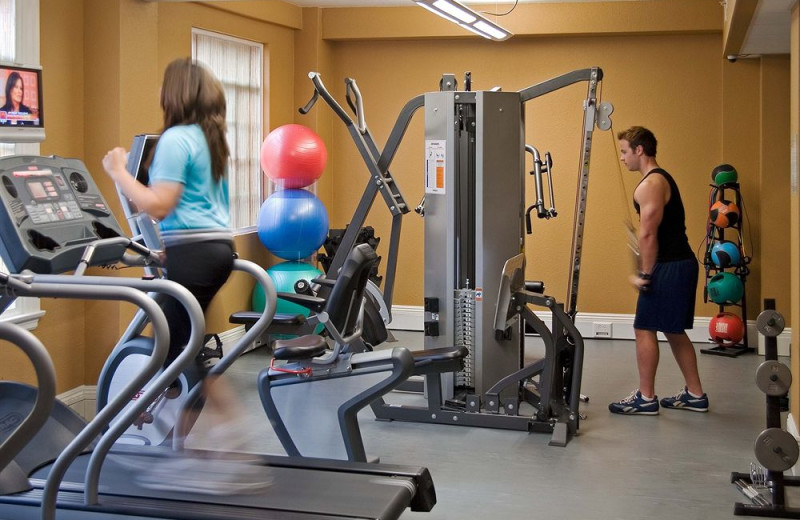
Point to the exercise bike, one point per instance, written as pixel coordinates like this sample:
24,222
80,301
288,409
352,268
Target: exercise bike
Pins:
331,383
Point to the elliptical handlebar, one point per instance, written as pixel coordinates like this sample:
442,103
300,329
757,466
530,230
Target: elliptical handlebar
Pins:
321,90
358,105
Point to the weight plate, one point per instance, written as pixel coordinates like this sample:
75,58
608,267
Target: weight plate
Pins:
770,323
773,378
776,449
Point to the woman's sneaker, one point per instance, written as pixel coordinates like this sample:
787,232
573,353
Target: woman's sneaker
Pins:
635,404
205,476
683,400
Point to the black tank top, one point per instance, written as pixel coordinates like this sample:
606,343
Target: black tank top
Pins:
673,244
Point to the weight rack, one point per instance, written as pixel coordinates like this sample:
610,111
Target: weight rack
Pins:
775,449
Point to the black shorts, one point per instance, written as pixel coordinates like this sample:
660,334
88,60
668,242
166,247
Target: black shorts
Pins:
669,304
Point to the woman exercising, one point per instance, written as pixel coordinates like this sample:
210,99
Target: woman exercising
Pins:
188,194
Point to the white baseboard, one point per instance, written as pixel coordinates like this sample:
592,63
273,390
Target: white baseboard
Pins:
784,342
231,336
791,427
596,325
407,317
81,399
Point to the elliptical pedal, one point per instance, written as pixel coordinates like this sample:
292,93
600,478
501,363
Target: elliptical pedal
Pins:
207,355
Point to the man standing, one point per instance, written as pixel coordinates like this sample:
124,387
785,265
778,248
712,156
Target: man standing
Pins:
667,281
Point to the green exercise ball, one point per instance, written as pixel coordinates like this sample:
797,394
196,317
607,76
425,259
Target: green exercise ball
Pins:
724,288
724,174
284,275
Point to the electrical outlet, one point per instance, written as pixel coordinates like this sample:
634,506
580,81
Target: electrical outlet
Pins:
601,329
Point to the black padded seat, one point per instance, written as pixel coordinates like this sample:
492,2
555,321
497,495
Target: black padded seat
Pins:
534,286
304,347
438,360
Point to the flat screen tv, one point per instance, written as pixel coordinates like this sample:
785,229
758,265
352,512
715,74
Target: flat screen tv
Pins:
21,107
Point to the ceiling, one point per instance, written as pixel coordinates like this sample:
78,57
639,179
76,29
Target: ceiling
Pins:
389,3
769,32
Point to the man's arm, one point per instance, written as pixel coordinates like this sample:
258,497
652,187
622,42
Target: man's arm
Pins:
650,195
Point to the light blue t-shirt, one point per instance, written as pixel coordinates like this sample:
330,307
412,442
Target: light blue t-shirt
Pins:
182,156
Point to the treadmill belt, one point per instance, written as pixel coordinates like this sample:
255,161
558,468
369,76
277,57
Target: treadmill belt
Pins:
304,491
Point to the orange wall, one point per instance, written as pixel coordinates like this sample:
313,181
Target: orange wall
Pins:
794,215
663,68
773,255
62,329
103,61
676,92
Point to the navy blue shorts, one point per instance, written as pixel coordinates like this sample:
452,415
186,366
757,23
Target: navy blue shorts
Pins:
669,304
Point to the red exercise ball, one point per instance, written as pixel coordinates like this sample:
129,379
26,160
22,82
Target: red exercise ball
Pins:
724,213
726,329
293,156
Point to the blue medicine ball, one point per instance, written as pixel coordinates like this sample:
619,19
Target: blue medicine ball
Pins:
725,254
292,224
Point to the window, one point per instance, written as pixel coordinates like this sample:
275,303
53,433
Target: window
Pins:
19,42
237,64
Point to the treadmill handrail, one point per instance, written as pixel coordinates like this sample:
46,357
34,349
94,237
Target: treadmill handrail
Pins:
169,374
42,363
95,427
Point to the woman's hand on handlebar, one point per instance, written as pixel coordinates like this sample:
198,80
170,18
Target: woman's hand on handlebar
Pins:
115,163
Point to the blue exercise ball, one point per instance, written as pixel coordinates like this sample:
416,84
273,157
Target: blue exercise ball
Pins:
725,254
292,224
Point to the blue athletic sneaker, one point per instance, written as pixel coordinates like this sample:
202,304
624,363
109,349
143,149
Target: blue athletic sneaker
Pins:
635,404
683,400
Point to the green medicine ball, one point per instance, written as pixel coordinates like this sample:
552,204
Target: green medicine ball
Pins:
725,288
724,174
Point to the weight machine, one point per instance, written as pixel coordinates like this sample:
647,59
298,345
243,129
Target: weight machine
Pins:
474,209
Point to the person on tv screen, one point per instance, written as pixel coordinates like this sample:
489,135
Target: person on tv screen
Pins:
15,91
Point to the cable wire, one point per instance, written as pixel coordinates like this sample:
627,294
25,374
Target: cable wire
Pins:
503,14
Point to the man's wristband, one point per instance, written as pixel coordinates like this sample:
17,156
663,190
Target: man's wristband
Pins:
645,276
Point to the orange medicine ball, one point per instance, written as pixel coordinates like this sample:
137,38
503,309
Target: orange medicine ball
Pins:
724,213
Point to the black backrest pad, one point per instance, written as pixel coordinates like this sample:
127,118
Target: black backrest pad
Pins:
345,298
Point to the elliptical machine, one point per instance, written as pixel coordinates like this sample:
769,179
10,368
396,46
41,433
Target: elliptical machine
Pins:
156,424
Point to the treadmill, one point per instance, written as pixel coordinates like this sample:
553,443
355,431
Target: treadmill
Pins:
52,219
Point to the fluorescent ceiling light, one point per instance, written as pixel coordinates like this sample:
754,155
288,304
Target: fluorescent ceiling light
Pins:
454,10
493,30
465,17
434,11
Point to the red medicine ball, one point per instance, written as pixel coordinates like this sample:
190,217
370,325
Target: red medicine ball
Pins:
726,329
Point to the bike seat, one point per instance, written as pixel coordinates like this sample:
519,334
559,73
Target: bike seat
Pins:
304,347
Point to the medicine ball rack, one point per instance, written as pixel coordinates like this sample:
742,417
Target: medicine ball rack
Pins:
717,234
775,449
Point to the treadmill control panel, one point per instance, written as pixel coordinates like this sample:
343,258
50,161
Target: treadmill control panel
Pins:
51,210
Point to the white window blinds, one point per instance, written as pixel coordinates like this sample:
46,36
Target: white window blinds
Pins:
238,65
